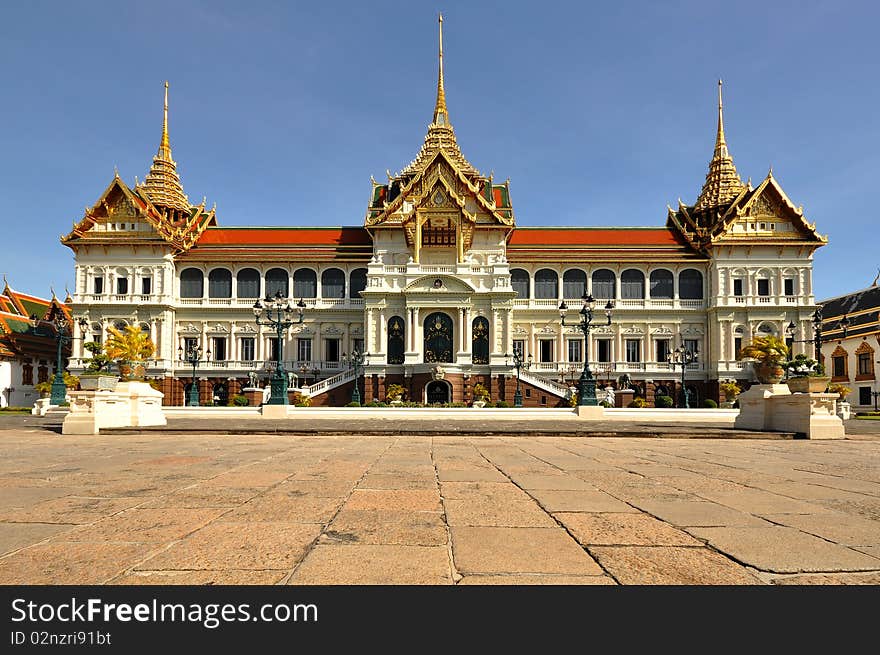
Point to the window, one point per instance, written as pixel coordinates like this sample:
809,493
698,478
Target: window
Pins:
737,347
332,283
357,282
276,280
304,350
633,350
480,340
99,284
632,284
220,283
274,348
546,284
574,284
248,352
396,333
604,282
865,366
189,344
191,283
690,284
865,395
603,350
331,350
305,283
146,286
357,345
692,345
763,287
737,287
788,283
519,280
839,364
42,374
574,350
122,285
27,374
96,337
545,350
661,284
661,349
218,349
439,341
519,347
247,283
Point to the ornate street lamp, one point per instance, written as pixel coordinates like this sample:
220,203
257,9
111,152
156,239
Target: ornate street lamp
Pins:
586,383
518,364
356,362
791,330
277,313
682,357
60,333
193,356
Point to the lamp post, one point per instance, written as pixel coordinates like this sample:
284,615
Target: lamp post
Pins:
60,333
682,357
356,361
193,356
277,313
518,363
876,395
791,330
586,383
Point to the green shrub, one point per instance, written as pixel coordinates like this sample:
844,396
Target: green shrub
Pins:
501,403
709,403
663,401
395,392
353,403
239,400
638,402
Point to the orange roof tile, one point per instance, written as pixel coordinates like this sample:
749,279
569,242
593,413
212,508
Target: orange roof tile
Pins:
600,236
283,236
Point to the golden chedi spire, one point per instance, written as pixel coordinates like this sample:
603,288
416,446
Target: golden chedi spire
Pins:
162,183
723,183
440,135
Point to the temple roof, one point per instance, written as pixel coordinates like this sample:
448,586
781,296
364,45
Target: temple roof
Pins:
283,243
16,308
162,184
723,183
862,309
562,244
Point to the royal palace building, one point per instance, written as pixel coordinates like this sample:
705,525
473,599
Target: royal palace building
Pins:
439,284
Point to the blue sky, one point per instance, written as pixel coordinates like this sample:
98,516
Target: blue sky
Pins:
599,113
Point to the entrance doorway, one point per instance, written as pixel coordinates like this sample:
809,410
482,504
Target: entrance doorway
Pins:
438,392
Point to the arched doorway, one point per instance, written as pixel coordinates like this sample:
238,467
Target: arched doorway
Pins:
480,347
438,392
438,338
221,394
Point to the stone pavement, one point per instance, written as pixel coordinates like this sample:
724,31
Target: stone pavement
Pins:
167,508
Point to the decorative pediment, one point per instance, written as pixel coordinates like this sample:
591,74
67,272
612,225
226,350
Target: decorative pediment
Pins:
863,348
218,327
548,329
633,329
357,330
662,330
330,329
189,328
247,328
605,330
520,330
692,330
439,284
840,351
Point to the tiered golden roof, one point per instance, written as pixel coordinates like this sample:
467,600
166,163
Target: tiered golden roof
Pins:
440,135
723,183
162,183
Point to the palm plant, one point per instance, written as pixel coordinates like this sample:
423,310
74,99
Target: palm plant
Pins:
130,347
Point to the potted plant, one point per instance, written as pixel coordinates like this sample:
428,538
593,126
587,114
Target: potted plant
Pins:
394,394
769,354
730,390
805,375
129,348
481,395
841,389
97,374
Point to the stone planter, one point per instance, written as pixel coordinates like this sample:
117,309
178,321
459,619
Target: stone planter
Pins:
131,370
808,384
769,373
100,382
479,404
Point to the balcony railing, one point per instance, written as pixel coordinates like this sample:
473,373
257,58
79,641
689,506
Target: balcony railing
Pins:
574,304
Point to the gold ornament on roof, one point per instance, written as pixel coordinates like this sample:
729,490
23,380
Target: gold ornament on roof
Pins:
162,183
723,183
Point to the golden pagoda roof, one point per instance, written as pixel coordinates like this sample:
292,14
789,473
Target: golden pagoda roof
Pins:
723,183
441,136
162,184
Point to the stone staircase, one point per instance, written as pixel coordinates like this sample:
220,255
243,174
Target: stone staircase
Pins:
543,383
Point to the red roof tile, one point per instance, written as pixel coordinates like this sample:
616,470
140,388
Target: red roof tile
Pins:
281,236
586,236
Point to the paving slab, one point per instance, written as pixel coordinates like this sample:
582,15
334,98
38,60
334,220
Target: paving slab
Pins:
70,509
390,527
486,512
623,529
830,579
671,565
18,535
520,580
281,506
200,578
415,500
589,500
374,564
839,528
697,513
64,562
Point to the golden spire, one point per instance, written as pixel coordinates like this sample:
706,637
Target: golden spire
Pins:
162,183
723,183
441,115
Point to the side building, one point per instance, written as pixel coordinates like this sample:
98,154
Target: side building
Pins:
440,285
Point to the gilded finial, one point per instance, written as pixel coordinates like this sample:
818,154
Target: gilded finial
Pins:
770,171
165,143
162,183
719,139
723,183
441,115
873,284
115,172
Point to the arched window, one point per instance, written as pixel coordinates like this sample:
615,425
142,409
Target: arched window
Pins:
574,283
396,342
305,283
519,280
276,280
192,283
603,284
332,283
480,346
661,283
438,338
546,284
357,282
690,284
248,283
632,284
145,328
220,283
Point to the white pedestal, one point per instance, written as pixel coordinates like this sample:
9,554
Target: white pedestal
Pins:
131,404
274,411
755,408
773,407
590,412
844,410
